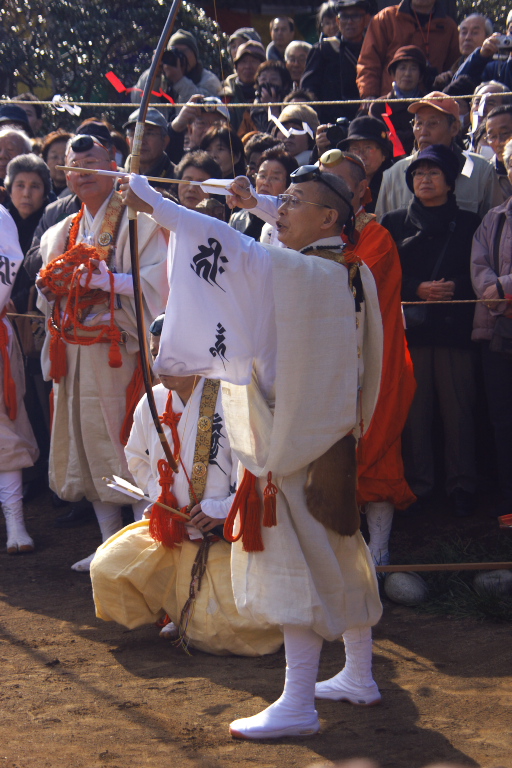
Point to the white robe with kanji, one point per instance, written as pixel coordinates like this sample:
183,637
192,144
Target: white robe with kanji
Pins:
300,369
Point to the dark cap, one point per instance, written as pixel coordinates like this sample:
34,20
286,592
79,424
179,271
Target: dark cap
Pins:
156,326
153,117
409,53
246,33
439,155
252,48
182,37
343,5
11,114
368,128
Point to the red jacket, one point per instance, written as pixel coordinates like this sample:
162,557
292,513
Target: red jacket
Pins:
394,27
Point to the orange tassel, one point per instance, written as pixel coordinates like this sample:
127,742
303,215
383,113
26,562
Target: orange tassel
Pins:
11,403
163,526
134,392
251,539
270,503
58,356
114,356
248,504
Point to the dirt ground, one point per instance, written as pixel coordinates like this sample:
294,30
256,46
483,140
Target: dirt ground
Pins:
80,693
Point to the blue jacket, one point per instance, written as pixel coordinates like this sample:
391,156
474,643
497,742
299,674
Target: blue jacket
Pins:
481,69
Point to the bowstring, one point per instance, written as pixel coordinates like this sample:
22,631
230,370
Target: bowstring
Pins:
179,460
223,79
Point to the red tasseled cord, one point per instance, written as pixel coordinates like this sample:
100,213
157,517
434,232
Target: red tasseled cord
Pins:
10,401
248,503
163,526
270,503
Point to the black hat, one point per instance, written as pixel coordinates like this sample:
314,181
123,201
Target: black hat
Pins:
156,326
96,129
439,155
341,5
12,114
368,128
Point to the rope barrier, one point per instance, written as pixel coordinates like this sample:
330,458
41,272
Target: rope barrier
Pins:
161,105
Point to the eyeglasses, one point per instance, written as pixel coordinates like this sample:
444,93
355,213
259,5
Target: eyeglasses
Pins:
418,125
292,201
435,173
492,138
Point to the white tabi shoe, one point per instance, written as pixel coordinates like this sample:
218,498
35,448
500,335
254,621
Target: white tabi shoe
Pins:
342,688
273,723
83,566
169,632
18,539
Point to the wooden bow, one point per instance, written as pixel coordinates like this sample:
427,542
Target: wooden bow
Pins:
133,231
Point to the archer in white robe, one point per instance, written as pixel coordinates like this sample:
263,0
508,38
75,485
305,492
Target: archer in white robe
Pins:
279,329
137,579
18,447
90,401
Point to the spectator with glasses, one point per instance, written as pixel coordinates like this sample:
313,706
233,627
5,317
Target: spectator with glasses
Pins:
272,178
331,64
433,237
295,58
436,121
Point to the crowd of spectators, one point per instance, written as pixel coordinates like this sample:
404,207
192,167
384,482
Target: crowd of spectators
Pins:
423,103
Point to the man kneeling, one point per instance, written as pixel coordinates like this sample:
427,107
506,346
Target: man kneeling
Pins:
157,566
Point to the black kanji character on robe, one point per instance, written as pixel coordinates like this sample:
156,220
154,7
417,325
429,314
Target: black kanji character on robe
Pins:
220,348
206,262
5,270
216,444
232,488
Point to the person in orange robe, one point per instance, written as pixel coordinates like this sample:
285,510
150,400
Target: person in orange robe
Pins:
382,485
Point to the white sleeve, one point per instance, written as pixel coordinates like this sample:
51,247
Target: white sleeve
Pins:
11,255
266,209
219,508
136,454
219,300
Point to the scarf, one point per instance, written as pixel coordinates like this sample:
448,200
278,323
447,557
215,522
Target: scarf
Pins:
429,221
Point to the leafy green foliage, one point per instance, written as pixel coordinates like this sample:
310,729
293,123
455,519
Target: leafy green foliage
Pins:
495,10
69,46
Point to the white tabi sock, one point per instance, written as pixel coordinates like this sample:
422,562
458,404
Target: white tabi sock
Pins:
11,499
379,516
294,713
110,520
355,682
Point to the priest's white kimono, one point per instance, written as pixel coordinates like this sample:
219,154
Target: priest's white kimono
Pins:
136,579
90,401
279,329
18,446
